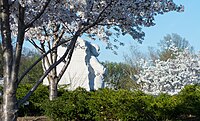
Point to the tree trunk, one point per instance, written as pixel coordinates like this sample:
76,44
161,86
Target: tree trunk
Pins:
10,108
53,90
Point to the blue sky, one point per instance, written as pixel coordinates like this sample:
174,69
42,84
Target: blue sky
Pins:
186,24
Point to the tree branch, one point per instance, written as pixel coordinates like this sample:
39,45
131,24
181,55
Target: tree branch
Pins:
57,39
46,58
98,20
38,15
39,59
36,46
66,27
66,63
100,14
72,42
19,43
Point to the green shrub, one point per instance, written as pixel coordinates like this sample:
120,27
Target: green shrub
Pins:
71,105
165,107
34,105
101,104
108,104
190,100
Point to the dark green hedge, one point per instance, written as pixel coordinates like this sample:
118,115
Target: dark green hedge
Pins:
33,107
107,104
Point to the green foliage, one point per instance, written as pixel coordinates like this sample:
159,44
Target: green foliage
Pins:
190,100
69,106
108,104
26,61
101,104
165,107
35,102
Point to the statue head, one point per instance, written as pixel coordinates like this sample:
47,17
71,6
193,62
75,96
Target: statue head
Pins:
95,50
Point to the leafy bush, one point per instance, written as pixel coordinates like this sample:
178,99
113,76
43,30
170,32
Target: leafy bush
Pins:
71,105
103,104
190,100
108,104
34,105
165,107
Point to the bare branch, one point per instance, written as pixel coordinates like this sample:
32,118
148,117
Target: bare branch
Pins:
39,59
45,31
46,59
72,43
66,63
49,47
66,27
36,46
54,53
59,37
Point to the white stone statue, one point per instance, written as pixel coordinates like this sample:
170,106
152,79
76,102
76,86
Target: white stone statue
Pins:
84,69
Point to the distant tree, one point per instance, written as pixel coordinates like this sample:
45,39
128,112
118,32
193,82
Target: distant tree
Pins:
175,39
132,59
119,76
134,55
168,40
28,58
157,56
163,53
153,53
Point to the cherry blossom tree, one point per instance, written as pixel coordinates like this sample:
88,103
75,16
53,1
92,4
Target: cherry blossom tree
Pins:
172,75
38,20
102,29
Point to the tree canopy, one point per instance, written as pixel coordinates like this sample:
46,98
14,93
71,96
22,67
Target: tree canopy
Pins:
100,16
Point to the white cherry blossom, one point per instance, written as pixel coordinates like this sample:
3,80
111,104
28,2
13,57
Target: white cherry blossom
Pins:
172,75
121,16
